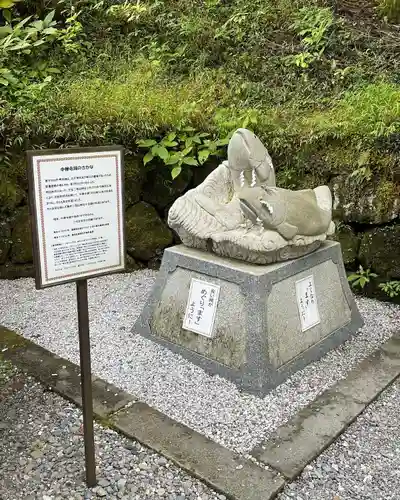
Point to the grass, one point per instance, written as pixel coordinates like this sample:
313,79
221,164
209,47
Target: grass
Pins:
215,66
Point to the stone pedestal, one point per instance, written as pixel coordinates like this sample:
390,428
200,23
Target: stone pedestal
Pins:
258,340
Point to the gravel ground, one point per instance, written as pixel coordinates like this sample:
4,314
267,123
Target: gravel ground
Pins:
210,405
42,457
363,464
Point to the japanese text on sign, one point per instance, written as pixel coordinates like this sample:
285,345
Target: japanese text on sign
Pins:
307,303
201,307
79,214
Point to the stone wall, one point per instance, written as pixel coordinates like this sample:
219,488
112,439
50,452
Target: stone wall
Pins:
368,220
368,226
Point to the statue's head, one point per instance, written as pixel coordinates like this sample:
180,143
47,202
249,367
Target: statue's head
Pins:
249,159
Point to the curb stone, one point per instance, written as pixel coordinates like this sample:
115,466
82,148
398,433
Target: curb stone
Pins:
295,444
290,448
221,469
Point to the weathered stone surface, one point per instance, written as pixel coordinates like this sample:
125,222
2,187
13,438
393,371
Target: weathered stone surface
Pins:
134,178
225,471
380,251
368,203
262,343
21,251
239,212
160,190
131,264
5,240
146,233
349,242
11,195
12,271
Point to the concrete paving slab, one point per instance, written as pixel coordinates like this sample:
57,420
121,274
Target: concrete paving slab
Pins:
293,445
220,468
59,374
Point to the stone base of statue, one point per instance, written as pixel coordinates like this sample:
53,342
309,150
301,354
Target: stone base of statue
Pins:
255,325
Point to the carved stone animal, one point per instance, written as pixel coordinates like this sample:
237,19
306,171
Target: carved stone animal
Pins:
305,212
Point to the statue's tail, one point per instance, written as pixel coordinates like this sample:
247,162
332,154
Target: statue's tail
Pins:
324,201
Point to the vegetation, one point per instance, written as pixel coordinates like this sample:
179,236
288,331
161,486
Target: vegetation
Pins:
391,288
318,80
361,278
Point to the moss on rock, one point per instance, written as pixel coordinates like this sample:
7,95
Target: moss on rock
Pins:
146,233
374,202
5,240
160,190
12,271
380,251
134,178
349,242
21,251
11,195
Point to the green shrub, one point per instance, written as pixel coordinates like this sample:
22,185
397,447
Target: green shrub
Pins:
390,9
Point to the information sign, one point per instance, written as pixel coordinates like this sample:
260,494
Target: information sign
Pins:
77,213
201,307
307,303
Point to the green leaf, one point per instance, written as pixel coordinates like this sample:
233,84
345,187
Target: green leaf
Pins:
186,151
20,46
190,161
171,136
203,155
22,23
3,81
175,172
7,15
38,25
50,31
146,143
168,144
160,151
353,277
172,160
6,4
147,158
38,43
5,30
47,20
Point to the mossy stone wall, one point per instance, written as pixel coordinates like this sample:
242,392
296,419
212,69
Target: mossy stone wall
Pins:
367,217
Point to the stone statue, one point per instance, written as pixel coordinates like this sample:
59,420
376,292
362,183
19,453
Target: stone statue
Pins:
239,212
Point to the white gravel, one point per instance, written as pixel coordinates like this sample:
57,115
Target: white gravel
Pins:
211,405
363,464
42,457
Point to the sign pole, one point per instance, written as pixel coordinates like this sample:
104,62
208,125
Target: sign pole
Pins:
76,198
86,381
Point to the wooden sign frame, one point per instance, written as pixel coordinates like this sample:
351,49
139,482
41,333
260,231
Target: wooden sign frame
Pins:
35,204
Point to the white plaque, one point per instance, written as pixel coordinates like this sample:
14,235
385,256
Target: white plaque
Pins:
77,207
307,303
201,307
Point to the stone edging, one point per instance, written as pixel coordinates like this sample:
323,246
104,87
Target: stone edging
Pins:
286,452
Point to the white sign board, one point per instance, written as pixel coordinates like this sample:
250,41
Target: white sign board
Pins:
201,308
307,303
77,208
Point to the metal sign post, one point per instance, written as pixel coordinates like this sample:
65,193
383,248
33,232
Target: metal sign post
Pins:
77,218
86,380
